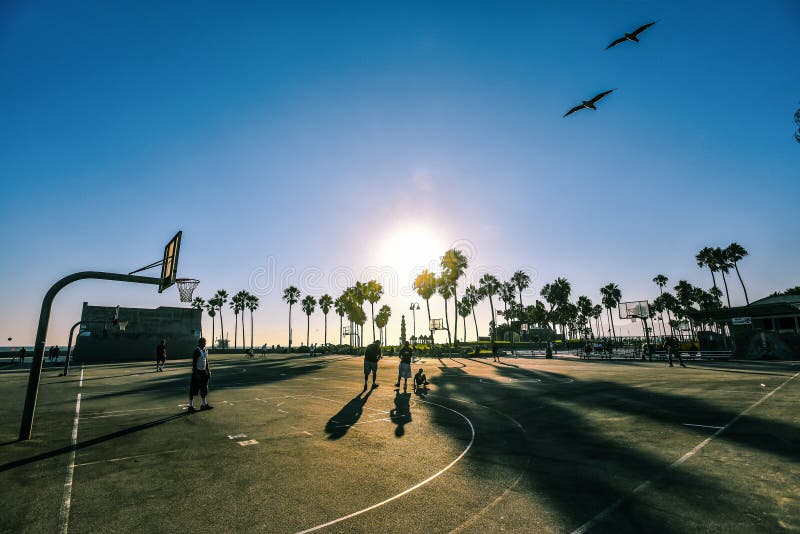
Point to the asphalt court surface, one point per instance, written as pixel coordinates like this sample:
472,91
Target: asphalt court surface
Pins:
294,444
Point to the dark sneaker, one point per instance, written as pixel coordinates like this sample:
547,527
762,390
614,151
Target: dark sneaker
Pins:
397,385
374,385
191,409
206,407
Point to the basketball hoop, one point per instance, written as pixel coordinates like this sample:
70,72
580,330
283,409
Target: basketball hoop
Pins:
122,325
186,287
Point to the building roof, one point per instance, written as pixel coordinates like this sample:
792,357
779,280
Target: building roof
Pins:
775,299
755,309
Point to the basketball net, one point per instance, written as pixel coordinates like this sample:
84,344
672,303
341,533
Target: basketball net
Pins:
186,287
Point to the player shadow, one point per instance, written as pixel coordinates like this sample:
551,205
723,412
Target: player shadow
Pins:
88,443
401,413
338,425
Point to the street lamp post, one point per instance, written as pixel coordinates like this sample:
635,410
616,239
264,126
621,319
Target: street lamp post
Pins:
414,307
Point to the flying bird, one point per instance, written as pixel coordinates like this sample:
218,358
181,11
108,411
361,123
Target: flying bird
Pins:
588,104
631,36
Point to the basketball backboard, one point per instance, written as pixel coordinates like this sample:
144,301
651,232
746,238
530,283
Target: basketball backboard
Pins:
436,324
636,309
169,265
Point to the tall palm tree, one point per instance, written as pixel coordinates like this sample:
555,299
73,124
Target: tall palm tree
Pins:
734,254
611,297
373,292
508,296
445,289
359,293
724,266
454,265
661,281
585,306
522,280
556,294
464,309
686,293
290,296
221,297
489,286
242,298
340,308
474,296
385,312
198,304
425,286
325,303
252,304
211,309
308,304
236,306
597,314
706,258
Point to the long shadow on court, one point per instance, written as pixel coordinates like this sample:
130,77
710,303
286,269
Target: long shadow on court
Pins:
338,425
579,467
401,413
88,443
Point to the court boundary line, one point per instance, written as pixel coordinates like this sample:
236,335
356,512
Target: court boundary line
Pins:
66,501
677,463
412,488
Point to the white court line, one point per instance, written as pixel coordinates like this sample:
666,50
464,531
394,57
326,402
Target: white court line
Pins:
126,458
412,488
80,384
701,426
66,502
644,485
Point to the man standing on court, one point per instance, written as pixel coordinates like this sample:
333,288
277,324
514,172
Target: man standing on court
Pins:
371,356
161,355
200,376
404,371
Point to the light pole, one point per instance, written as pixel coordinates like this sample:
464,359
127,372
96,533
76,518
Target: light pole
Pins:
414,307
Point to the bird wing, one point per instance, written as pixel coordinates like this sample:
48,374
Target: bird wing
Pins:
573,110
601,95
615,43
640,29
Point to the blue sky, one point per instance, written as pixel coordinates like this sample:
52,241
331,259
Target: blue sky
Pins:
327,138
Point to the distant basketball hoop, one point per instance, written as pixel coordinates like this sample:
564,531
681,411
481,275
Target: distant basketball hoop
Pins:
186,287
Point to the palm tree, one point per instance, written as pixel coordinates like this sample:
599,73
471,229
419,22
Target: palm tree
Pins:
445,289
242,299
425,285
236,306
198,304
308,304
734,254
359,293
211,309
686,294
385,312
490,285
522,280
464,309
557,295
291,295
706,258
473,296
661,281
585,306
597,314
724,266
611,297
372,292
251,302
221,297
508,296
454,264
340,309
325,303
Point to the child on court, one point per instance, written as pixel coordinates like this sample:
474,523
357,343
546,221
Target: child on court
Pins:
404,370
420,381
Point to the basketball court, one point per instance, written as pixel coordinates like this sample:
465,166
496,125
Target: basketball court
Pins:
294,445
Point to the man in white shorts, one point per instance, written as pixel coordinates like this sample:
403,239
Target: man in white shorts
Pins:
404,371
200,376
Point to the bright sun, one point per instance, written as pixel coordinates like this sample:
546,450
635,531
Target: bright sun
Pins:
409,248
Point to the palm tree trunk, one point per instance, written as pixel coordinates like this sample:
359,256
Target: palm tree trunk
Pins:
308,329
290,326
341,327
713,278
613,330
251,329
326,329
213,332
520,297
372,313
727,295
244,335
447,323
455,313
428,306
221,325
465,328
476,324
235,330
491,308
746,299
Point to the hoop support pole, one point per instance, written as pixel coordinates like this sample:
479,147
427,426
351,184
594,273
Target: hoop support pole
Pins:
26,427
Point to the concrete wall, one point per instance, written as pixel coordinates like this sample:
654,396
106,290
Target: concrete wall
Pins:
101,340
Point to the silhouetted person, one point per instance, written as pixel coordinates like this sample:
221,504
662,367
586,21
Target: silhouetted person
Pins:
404,369
548,351
51,354
161,355
371,356
671,345
420,380
200,376
587,350
495,356
22,353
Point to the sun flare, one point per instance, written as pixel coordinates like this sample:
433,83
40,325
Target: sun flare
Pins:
408,249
